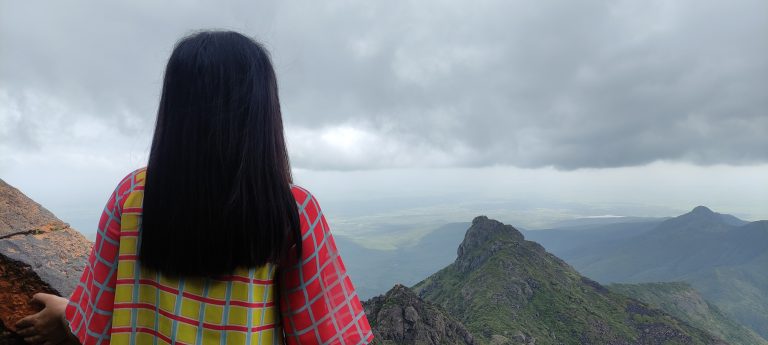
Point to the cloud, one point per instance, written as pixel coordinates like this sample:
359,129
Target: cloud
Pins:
425,83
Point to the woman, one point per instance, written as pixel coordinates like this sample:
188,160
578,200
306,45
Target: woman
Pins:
211,243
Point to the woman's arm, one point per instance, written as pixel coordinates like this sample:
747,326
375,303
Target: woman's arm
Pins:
319,304
90,308
48,326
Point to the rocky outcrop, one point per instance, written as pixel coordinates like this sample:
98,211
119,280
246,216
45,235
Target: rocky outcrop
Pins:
20,214
401,317
38,253
483,239
56,257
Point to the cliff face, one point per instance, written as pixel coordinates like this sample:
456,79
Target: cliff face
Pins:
401,317
38,253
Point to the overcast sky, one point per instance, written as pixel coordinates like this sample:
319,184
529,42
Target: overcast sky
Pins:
567,108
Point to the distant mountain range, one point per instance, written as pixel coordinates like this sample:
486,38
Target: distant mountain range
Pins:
723,257
592,222
506,290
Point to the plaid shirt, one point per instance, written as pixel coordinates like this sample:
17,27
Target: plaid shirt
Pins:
118,301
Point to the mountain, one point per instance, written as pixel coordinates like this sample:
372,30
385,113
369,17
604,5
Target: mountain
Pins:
723,257
375,271
684,302
401,317
570,241
590,222
38,253
507,290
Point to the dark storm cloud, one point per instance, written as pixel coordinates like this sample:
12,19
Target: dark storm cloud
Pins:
561,83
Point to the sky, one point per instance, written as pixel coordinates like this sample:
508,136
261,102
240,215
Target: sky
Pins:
417,112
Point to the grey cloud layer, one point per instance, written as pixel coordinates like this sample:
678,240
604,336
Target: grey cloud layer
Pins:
562,83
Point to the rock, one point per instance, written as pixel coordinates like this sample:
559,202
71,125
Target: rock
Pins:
498,339
38,253
401,317
56,257
18,213
483,239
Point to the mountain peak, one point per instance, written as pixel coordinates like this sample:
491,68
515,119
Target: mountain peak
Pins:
479,219
484,232
488,238
483,239
701,218
702,210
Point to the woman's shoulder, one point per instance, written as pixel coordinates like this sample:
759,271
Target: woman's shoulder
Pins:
304,198
135,177
300,193
132,182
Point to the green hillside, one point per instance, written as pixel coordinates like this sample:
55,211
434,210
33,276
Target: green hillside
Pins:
507,290
720,256
683,301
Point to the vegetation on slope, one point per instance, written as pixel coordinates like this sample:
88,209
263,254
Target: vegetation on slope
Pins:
684,302
724,258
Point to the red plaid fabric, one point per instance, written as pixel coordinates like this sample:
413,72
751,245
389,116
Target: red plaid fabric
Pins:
90,307
318,303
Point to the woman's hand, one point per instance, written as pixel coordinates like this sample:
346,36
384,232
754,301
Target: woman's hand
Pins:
47,326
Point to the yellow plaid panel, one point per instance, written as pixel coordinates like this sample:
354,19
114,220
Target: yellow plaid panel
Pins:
237,309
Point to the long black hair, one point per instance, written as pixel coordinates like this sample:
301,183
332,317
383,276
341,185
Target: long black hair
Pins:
217,193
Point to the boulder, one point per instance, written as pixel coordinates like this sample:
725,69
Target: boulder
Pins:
38,253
